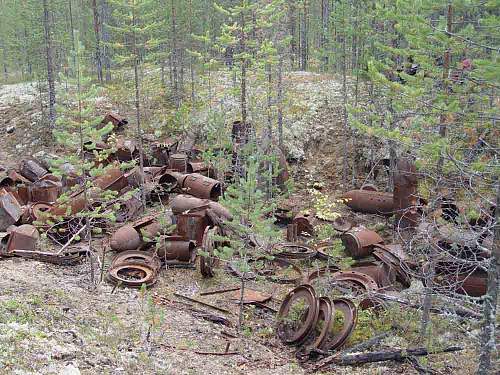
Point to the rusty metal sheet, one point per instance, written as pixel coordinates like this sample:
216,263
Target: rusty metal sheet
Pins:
10,210
294,330
370,202
250,296
23,237
112,179
32,170
405,194
359,242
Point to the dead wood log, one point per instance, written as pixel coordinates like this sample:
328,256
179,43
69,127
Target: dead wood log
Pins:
380,356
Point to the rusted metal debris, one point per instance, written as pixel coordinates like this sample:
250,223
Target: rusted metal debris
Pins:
23,237
202,187
371,202
176,249
293,251
142,231
459,278
134,269
405,194
291,232
192,224
250,296
304,223
31,170
178,162
117,120
10,210
359,242
279,270
393,257
45,190
208,261
302,311
342,224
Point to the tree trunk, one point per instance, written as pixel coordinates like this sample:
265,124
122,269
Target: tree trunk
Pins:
446,87
304,42
325,21
243,71
174,61
191,59
105,15
292,30
488,337
280,101
138,113
50,65
98,59
345,165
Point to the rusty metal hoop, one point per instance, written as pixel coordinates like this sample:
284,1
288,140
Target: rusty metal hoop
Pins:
297,336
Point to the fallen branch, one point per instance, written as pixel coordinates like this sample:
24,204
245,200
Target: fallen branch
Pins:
380,356
71,239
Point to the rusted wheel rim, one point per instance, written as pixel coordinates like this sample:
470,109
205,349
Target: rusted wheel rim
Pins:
348,310
325,315
208,263
148,275
132,256
302,252
297,336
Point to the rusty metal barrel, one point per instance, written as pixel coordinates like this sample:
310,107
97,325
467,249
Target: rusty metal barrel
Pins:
202,187
370,202
358,242
176,248
178,162
191,225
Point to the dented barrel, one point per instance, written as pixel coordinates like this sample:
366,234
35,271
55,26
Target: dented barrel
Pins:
358,242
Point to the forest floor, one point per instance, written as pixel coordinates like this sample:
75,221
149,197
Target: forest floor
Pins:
54,320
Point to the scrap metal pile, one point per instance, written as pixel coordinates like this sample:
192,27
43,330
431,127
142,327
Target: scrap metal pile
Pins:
320,314
32,199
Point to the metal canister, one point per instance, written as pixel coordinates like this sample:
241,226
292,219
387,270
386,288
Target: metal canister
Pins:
370,202
358,242
178,162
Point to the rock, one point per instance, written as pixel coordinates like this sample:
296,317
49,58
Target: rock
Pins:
11,129
70,370
61,352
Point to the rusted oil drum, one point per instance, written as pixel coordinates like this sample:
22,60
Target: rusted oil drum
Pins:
191,225
370,202
202,187
178,162
176,248
304,224
358,242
